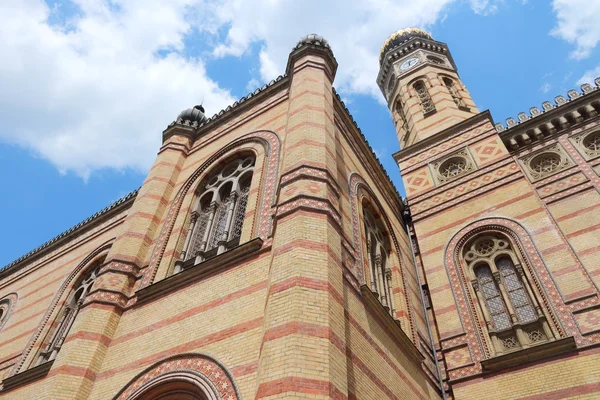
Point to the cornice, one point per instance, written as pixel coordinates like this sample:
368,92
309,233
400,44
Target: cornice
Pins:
403,49
441,135
373,160
116,207
542,124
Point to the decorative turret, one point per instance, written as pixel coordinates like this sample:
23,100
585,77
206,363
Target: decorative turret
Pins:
419,80
195,114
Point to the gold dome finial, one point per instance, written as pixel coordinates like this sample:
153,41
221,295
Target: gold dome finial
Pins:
402,36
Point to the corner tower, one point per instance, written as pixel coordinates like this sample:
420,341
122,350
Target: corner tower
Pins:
420,82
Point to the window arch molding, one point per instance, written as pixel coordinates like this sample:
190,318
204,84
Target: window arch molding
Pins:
222,190
199,373
536,271
359,193
179,208
7,308
93,260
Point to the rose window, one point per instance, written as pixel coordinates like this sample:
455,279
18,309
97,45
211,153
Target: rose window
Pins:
592,142
484,247
453,167
545,163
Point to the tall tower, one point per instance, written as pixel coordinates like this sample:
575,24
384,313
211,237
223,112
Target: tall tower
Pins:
420,82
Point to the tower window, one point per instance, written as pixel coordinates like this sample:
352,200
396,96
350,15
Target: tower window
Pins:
435,60
424,97
513,317
453,92
403,121
545,163
216,224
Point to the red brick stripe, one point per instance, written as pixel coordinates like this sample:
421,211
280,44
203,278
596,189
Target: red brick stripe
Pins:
578,212
473,216
91,336
567,392
584,231
298,385
73,371
190,312
185,347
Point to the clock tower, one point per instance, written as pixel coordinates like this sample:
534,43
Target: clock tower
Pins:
420,82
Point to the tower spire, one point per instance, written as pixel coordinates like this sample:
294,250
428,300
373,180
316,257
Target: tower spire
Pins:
420,82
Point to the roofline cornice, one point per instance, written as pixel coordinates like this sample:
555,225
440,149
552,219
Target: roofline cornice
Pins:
373,160
553,118
102,215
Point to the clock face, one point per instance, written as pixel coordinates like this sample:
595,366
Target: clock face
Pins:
411,62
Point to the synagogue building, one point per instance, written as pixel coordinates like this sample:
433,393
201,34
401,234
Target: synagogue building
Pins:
267,255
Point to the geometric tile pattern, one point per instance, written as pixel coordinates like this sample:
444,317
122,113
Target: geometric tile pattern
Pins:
195,364
418,181
440,147
588,321
443,198
272,149
458,357
562,184
488,150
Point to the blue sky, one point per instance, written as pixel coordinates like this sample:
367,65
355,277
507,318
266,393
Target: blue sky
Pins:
87,86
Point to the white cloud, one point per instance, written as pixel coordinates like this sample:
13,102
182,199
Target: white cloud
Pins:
578,24
545,88
94,89
484,7
589,76
355,30
92,92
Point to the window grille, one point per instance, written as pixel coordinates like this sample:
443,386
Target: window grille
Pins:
216,225
67,317
378,251
513,315
424,97
453,92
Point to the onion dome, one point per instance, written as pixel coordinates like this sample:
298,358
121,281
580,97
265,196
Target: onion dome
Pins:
401,36
192,114
313,39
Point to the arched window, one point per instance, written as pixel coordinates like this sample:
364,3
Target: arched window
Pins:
513,316
403,121
6,305
67,316
216,223
378,250
424,97
453,92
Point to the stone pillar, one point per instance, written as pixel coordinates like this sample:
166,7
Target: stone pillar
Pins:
303,348
74,370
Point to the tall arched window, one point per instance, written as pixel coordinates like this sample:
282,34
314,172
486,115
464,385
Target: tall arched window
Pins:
424,97
402,115
67,316
6,305
216,223
453,92
378,250
513,316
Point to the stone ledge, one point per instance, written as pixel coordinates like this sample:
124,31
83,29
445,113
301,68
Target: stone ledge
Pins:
392,326
198,271
27,376
529,354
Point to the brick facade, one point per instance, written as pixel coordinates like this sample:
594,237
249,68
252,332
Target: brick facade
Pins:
293,309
